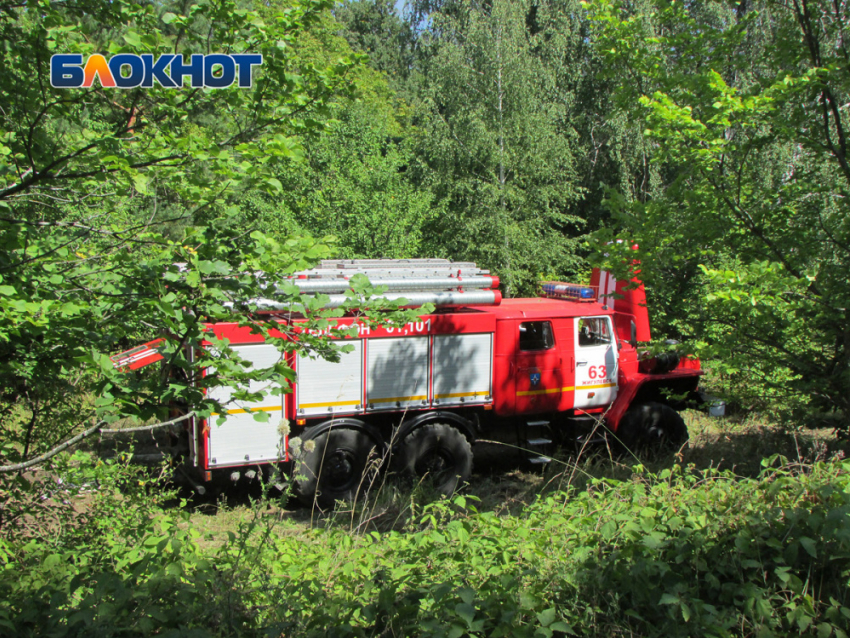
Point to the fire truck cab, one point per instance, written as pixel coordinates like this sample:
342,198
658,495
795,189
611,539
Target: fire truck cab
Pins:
553,356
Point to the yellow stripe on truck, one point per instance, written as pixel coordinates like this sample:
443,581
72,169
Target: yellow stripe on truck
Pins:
596,387
455,395
421,397
327,404
268,408
531,393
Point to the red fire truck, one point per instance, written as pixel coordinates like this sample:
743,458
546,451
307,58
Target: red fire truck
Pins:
417,396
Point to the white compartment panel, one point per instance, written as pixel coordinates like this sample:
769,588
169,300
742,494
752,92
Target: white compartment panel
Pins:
241,439
397,373
462,369
331,388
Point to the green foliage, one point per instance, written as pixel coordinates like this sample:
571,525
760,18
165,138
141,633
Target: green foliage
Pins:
354,188
104,191
122,217
97,142
497,146
111,562
374,27
679,553
745,250
354,184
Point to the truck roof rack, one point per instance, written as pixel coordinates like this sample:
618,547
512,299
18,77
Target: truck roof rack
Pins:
441,282
385,268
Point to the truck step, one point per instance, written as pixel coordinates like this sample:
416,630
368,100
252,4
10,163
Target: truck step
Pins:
536,424
539,460
539,442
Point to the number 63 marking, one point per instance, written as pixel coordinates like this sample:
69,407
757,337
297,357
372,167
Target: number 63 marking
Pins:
596,372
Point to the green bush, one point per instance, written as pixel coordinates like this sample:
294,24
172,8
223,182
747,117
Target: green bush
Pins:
675,554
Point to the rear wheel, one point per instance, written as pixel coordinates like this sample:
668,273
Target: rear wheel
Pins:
341,465
439,454
652,426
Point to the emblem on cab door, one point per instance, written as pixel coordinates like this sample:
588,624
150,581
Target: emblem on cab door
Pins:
534,377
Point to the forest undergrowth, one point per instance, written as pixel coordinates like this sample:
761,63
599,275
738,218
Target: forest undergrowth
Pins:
726,538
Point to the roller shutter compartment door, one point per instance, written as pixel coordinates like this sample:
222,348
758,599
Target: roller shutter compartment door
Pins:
242,439
397,373
463,369
325,387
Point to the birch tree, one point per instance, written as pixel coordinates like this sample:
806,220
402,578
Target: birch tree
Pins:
497,146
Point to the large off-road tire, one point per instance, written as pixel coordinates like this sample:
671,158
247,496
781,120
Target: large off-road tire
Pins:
342,464
437,454
652,427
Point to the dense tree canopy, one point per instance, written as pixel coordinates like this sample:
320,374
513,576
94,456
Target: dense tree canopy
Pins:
354,184
498,148
121,216
746,249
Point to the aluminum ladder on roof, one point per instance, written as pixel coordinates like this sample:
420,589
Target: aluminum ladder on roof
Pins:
441,282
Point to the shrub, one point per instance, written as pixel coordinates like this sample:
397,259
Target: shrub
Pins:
679,553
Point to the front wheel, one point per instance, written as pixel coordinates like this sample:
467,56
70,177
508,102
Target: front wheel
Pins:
652,426
341,463
439,454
